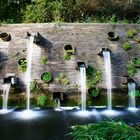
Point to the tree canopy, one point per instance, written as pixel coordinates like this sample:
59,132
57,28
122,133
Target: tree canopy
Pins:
40,11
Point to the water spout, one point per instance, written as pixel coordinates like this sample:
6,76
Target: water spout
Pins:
131,94
107,64
6,89
29,64
83,87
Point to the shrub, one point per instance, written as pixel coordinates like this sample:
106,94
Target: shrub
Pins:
138,47
35,88
135,61
41,100
62,79
23,64
66,56
126,46
46,77
131,33
43,60
131,69
94,92
93,76
137,39
105,130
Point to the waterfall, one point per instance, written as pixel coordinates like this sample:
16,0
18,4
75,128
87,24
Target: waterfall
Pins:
83,87
107,64
28,72
57,101
131,93
6,89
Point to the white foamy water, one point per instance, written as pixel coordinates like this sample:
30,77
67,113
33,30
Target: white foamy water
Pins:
6,89
131,93
83,87
29,65
107,64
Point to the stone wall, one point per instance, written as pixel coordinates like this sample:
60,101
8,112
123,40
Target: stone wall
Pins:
88,39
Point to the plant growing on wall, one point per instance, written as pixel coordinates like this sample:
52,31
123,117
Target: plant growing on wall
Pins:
35,87
131,33
69,50
43,60
23,64
131,69
138,47
93,76
46,77
62,79
137,39
126,46
66,56
93,92
41,100
135,61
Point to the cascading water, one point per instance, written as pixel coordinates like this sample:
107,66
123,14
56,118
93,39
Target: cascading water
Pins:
57,101
6,89
83,87
107,63
131,93
28,72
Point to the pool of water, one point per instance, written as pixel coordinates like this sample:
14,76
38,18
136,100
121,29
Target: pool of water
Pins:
50,124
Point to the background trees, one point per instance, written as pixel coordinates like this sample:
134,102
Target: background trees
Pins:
17,11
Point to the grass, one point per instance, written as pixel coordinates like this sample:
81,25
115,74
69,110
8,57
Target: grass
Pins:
105,130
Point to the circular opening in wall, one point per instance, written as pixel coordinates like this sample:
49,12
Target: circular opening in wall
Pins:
69,49
5,36
22,62
46,77
112,36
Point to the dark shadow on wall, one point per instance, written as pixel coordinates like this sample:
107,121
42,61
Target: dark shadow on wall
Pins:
46,45
118,65
3,59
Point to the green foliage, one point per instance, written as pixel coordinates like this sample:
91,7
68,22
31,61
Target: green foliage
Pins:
93,76
126,46
137,39
131,33
43,60
94,92
131,69
23,64
39,11
35,87
138,47
135,61
41,100
11,10
66,56
105,130
62,79
46,77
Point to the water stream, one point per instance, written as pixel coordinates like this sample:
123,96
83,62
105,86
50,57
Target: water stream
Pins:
29,64
107,64
83,87
131,93
6,89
